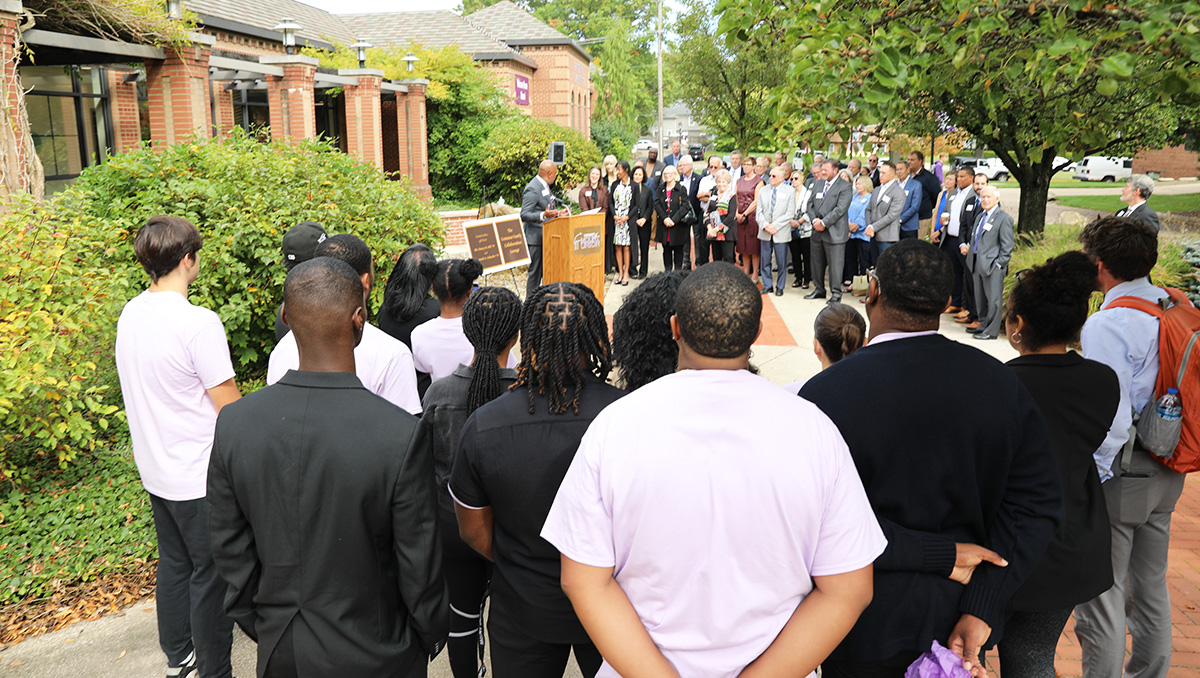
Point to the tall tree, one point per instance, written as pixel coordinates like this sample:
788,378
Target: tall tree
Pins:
725,85
1031,79
620,93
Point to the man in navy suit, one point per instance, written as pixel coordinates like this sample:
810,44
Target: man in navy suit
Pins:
909,224
537,206
676,155
1136,192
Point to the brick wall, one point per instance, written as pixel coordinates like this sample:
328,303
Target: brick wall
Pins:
1173,162
14,169
412,151
561,87
223,101
293,115
362,136
178,91
454,233
126,121
505,73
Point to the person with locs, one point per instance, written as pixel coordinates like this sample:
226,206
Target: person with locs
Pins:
538,205
785,566
511,457
989,497
176,376
322,508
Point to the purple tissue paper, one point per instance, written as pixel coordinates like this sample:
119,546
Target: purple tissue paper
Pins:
939,662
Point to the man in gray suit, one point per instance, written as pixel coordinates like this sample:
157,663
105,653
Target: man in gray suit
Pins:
883,212
537,204
776,205
988,254
1138,188
829,206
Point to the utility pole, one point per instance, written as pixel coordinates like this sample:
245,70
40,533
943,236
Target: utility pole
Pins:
660,101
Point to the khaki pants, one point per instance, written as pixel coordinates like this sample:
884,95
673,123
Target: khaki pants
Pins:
926,227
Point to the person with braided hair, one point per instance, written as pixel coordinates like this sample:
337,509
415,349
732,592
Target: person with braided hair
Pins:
490,320
440,345
511,457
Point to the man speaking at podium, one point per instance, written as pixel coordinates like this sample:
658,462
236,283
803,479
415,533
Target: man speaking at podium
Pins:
537,206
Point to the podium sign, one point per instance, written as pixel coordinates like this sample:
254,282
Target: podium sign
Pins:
497,243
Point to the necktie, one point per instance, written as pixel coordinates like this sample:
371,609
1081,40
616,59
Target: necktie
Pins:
979,232
771,205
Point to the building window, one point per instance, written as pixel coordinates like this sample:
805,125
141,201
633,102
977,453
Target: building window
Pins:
252,112
69,119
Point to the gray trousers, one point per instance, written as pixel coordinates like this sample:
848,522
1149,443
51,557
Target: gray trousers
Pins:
828,255
989,300
533,240
1139,509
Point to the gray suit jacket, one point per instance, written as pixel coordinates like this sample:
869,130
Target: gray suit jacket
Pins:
883,212
832,208
780,217
991,243
1142,213
534,202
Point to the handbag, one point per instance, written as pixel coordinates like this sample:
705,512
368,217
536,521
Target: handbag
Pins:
859,285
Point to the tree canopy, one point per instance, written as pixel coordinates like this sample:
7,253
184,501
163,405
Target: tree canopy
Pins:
1032,80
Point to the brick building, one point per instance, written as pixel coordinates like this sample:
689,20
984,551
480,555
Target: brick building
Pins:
1172,162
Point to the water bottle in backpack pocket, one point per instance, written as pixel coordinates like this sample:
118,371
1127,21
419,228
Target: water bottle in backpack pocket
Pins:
1160,424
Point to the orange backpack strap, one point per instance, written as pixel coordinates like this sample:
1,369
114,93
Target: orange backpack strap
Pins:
1137,303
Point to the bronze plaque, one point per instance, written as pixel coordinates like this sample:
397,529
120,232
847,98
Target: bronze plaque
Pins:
485,247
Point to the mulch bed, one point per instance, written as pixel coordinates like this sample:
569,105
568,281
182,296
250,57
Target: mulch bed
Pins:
82,602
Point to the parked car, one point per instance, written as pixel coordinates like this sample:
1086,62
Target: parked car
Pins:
643,145
696,151
1103,168
992,167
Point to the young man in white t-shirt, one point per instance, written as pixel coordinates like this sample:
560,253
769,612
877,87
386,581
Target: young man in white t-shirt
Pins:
176,375
744,550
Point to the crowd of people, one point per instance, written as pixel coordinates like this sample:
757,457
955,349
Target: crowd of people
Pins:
355,516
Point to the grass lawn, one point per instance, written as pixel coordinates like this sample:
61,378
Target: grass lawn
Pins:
1188,202
453,205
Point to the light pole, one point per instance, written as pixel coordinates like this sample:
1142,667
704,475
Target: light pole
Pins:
660,101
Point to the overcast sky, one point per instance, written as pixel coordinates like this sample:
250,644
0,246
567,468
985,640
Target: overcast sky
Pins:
358,6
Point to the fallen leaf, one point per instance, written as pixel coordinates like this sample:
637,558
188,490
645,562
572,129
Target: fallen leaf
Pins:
122,654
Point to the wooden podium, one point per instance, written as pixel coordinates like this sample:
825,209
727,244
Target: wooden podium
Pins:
573,251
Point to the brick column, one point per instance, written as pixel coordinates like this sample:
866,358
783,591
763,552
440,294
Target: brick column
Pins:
223,101
364,133
414,150
20,169
178,90
126,120
293,107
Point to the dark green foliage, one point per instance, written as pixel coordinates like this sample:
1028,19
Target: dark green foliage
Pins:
508,159
613,137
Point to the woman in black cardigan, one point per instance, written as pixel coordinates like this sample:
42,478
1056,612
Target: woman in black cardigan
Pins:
1078,399
722,204
674,209
644,221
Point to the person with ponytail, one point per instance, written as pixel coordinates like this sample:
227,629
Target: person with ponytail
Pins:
1078,399
440,345
406,300
512,455
491,318
838,331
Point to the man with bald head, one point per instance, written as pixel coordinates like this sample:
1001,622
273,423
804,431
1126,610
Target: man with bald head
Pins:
321,505
538,205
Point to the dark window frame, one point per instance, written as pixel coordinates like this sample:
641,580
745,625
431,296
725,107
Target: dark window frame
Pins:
77,94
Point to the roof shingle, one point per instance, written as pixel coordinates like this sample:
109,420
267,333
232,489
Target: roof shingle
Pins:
266,14
506,21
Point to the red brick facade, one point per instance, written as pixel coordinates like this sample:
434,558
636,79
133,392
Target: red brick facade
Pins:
223,105
413,160
126,121
1172,162
14,171
453,221
363,137
293,116
561,89
178,90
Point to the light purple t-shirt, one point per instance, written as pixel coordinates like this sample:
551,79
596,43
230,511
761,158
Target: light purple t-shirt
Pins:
382,363
169,353
439,346
713,530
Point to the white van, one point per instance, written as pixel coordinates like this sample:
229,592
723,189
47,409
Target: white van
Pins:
1103,168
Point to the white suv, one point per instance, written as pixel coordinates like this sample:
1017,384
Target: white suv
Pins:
991,167
1103,168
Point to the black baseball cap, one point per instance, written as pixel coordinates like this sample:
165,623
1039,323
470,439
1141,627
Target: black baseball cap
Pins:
300,242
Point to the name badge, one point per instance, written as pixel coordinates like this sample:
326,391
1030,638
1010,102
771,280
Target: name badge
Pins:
821,196
545,191
987,227
906,194
887,198
971,207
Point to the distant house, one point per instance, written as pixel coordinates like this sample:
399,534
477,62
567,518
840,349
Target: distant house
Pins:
678,123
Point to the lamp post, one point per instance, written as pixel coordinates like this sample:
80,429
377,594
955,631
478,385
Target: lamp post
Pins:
410,60
289,28
360,48
175,9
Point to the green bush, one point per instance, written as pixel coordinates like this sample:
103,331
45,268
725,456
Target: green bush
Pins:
613,138
74,526
242,195
54,305
508,159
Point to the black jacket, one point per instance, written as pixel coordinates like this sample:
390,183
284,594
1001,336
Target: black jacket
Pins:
323,516
984,475
678,210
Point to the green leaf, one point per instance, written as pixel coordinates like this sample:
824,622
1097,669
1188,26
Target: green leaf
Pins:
1107,87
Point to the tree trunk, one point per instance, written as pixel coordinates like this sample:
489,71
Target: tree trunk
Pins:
1035,191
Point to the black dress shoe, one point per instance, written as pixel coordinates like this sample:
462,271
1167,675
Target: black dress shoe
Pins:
835,299
765,290
815,295
779,292
975,330
796,284
981,335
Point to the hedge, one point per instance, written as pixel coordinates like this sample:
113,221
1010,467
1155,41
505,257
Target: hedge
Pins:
509,157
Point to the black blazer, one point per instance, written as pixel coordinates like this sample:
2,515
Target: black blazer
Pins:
322,516
1142,213
986,478
730,219
645,205
1078,399
680,234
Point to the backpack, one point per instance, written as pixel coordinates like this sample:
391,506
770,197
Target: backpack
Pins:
1178,331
